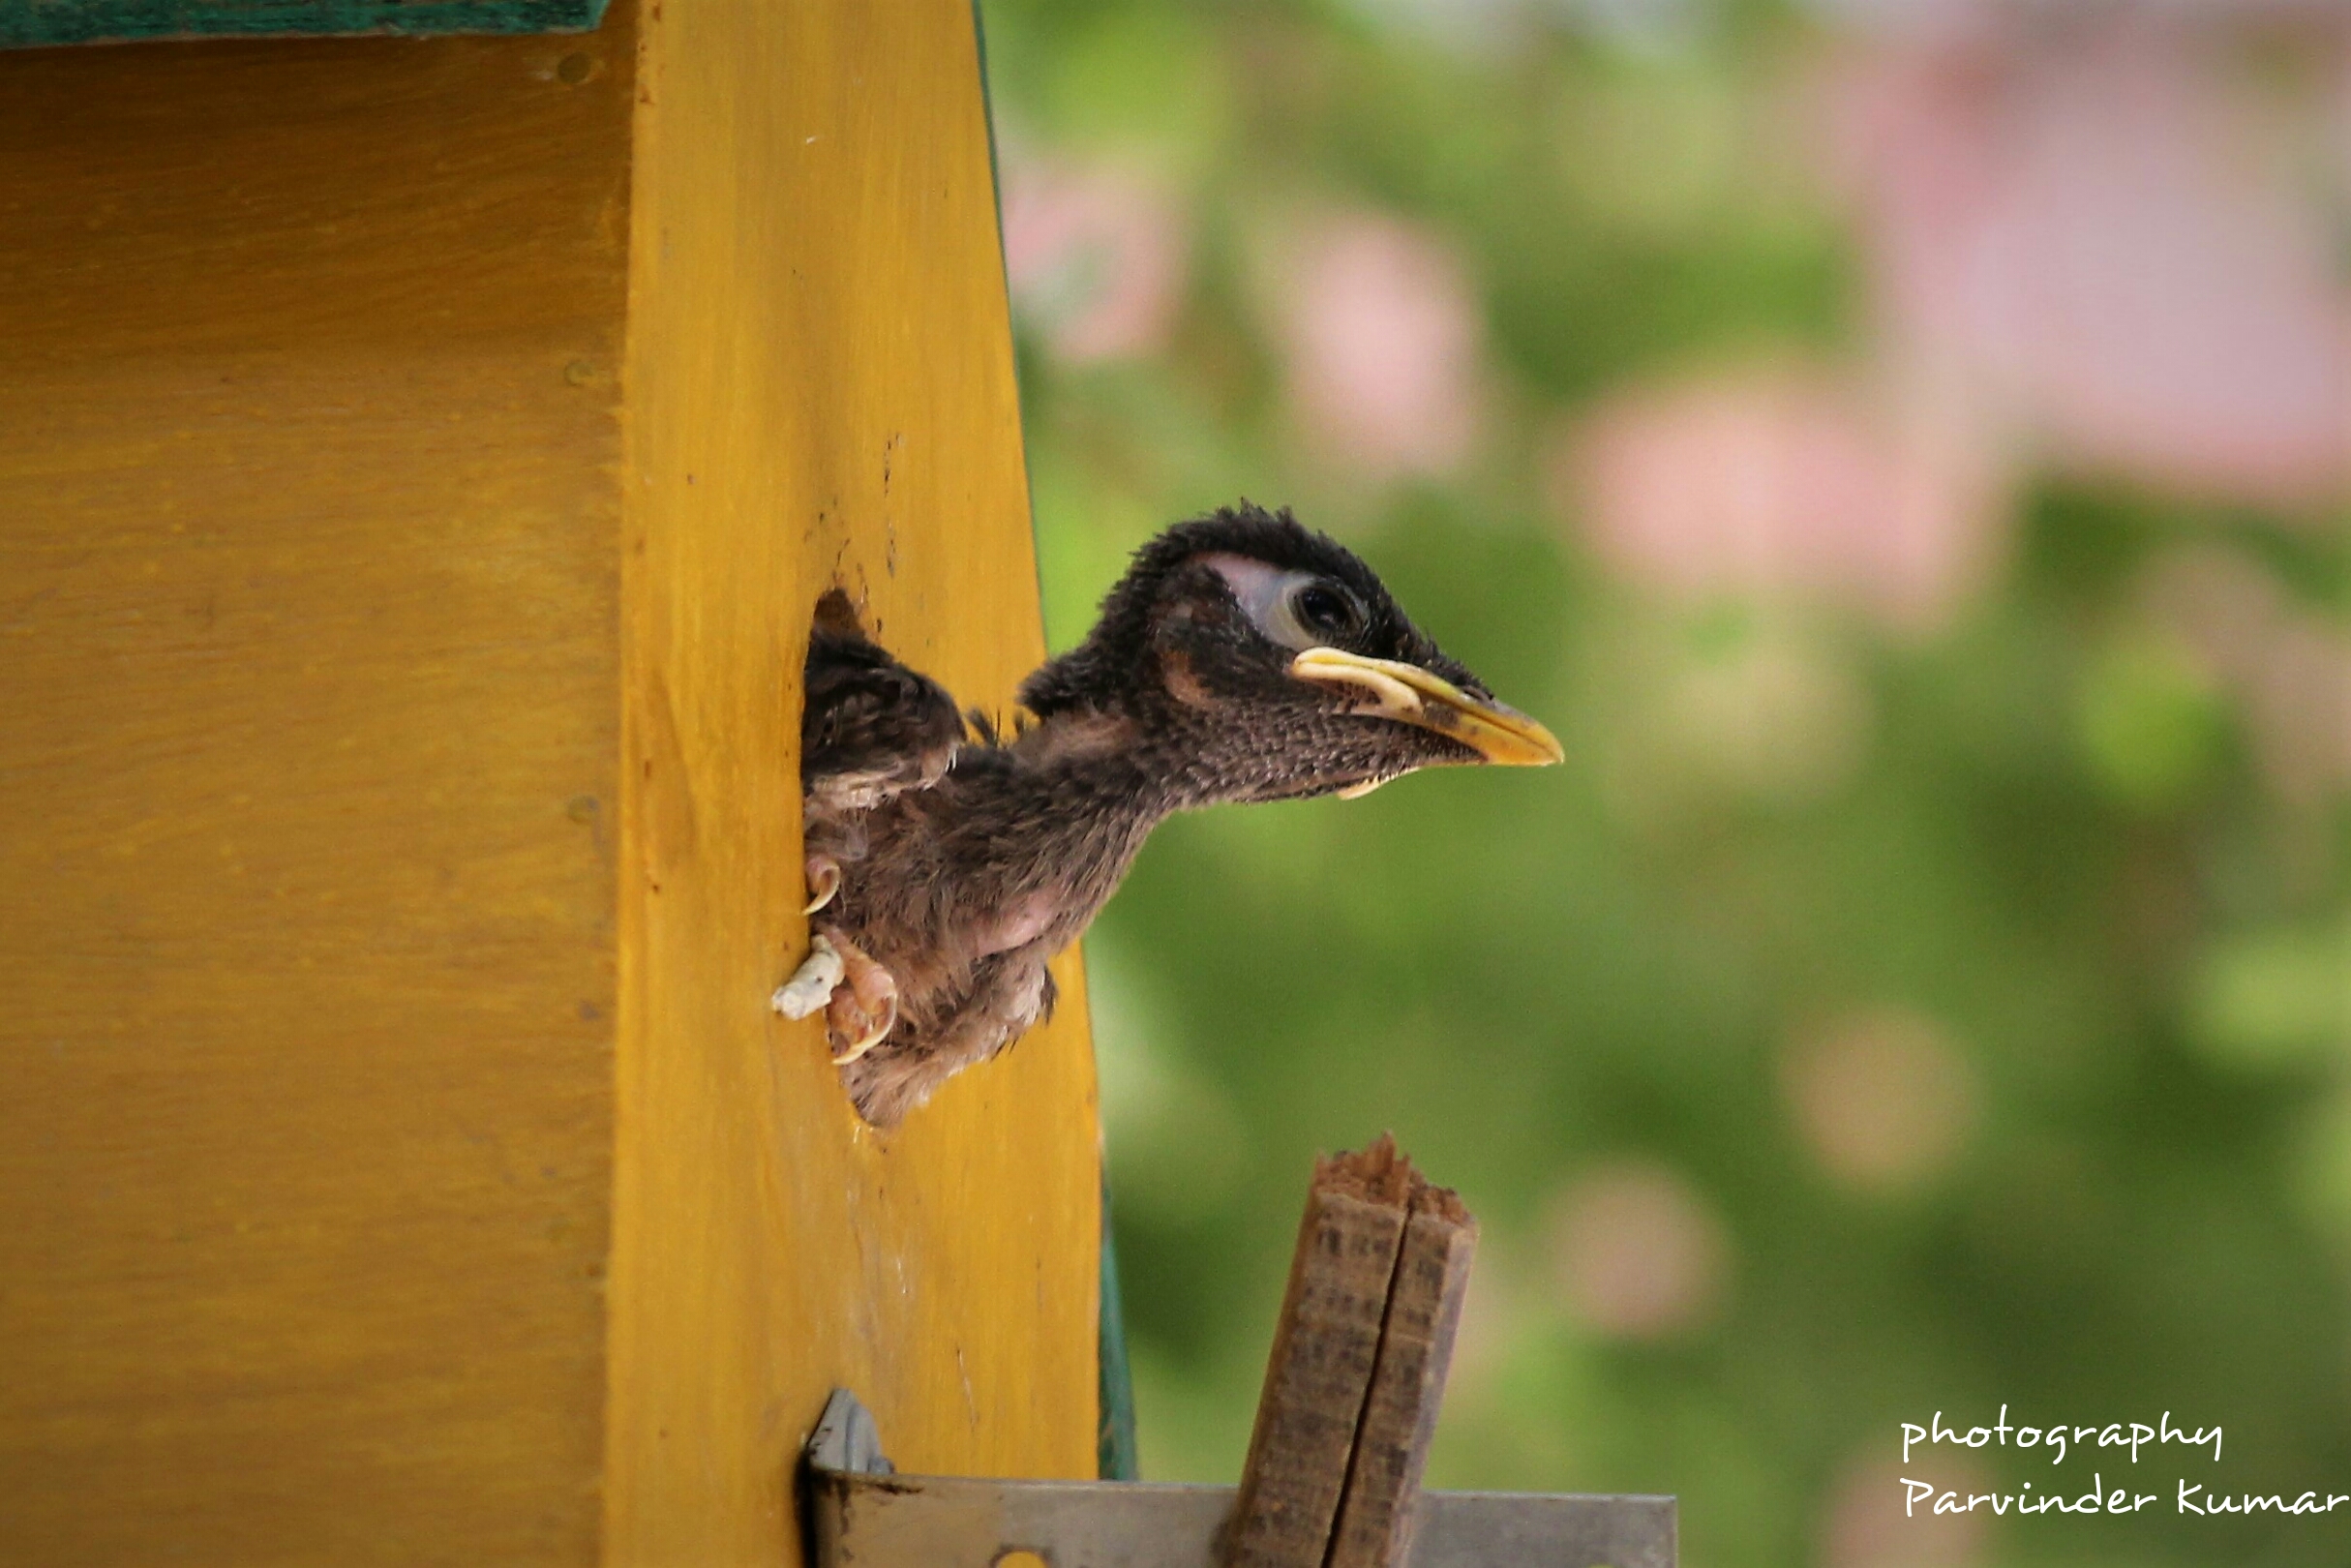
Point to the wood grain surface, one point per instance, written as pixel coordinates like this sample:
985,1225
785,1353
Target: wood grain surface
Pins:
1318,1373
417,463
1375,1517
308,573
820,389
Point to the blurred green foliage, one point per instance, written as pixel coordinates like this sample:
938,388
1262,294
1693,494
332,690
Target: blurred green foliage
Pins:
2042,833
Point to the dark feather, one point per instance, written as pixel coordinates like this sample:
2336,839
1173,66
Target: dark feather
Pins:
871,727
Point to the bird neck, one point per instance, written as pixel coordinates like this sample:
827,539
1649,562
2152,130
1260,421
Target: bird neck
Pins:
1045,824
1103,763
1136,769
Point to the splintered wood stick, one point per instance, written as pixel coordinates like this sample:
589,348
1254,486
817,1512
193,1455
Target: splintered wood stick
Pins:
1375,1514
1325,1349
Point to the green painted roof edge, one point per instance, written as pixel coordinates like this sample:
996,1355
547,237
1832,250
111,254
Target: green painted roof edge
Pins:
35,23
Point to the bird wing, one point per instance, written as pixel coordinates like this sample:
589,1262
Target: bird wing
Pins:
870,728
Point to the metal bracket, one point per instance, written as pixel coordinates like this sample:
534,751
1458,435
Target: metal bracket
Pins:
864,1515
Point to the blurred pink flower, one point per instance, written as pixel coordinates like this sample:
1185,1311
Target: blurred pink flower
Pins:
1866,1526
1096,258
1772,483
2083,228
1883,1100
1380,330
1636,1252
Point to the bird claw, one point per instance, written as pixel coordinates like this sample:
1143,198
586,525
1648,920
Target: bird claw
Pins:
865,1007
858,997
874,1035
824,882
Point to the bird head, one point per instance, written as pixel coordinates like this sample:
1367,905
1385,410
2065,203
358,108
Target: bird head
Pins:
1257,660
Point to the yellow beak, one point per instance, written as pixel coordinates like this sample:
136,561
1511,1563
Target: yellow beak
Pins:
1410,694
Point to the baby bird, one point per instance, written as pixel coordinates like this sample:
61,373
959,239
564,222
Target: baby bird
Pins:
1242,657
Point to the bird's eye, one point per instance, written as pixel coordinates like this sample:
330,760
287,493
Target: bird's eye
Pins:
1326,611
1297,609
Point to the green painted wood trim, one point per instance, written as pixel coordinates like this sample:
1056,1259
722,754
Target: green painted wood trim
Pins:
1115,1457
31,24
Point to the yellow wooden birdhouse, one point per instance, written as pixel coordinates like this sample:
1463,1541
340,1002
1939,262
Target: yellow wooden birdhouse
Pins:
419,459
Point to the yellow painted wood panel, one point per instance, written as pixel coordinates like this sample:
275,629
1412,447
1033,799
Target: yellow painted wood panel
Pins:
308,726
386,744
820,386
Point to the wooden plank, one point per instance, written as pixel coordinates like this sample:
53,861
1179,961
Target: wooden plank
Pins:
308,603
1319,1371
1377,1517
26,23
820,387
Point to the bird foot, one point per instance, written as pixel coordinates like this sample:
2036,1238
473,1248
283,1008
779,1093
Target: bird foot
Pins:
824,874
865,1007
860,998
